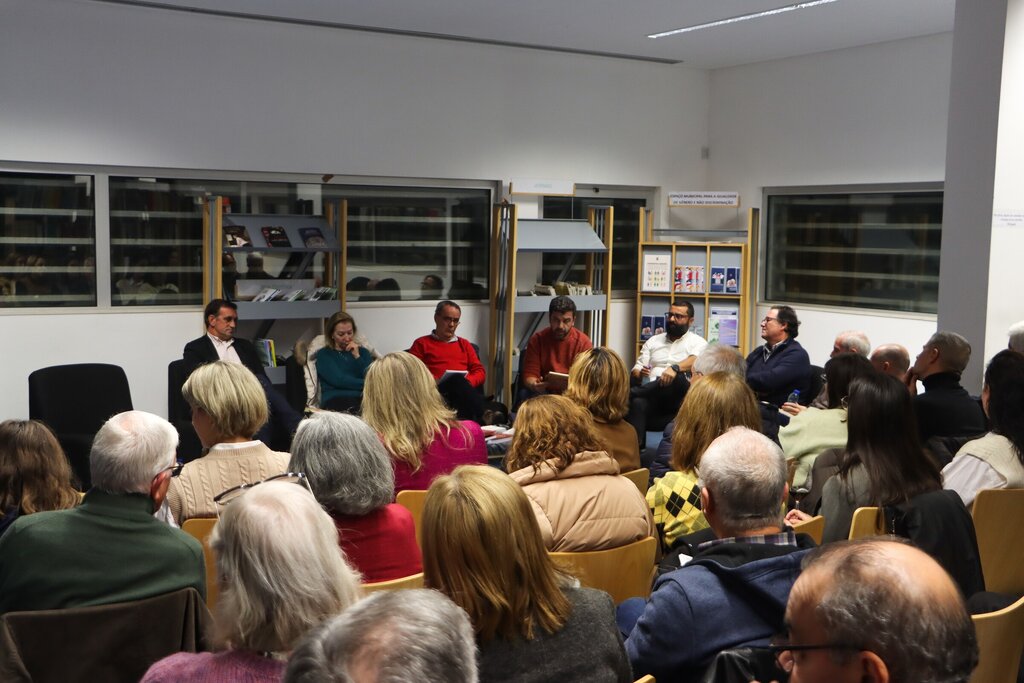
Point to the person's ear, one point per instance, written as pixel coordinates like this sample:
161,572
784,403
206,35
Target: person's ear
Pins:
873,669
707,504
785,493
158,488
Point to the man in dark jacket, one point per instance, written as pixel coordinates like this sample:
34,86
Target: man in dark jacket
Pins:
780,365
945,409
734,590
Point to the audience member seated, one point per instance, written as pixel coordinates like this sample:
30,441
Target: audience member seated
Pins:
553,349
110,548
714,404
228,407
483,549
876,610
891,359
996,460
220,343
599,382
424,438
409,635
733,592
660,371
280,572
351,476
1016,334
884,462
443,352
813,430
945,408
848,341
780,365
34,472
341,365
580,501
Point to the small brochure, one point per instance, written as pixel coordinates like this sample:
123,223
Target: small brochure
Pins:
690,279
717,280
659,324
275,236
732,280
723,326
312,237
646,327
656,272
236,236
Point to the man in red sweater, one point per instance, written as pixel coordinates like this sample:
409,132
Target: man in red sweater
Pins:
553,349
441,351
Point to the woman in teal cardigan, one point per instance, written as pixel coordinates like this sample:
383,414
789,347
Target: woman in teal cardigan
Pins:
341,366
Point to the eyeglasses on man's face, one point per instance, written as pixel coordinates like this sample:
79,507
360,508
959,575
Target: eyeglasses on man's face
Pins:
767,319
225,497
783,651
677,316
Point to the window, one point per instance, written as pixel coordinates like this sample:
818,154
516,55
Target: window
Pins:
47,240
875,249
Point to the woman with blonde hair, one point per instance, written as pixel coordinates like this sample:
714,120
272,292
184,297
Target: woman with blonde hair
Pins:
599,382
713,404
341,365
280,573
34,472
228,407
531,623
423,436
579,499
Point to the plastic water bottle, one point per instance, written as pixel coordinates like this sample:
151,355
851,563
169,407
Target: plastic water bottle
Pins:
794,396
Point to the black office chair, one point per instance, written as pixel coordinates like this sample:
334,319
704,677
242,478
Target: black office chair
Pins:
75,401
179,414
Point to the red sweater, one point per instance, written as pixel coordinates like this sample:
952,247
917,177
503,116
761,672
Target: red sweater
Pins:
545,354
439,356
382,544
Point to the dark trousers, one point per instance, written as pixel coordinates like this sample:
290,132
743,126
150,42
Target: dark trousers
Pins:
462,397
652,406
284,419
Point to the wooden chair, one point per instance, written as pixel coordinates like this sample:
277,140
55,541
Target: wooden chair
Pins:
640,477
867,522
200,529
414,581
999,525
1000,640
623,572
413,502
814,527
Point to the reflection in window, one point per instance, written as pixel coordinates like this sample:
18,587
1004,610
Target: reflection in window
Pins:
47,240
876,250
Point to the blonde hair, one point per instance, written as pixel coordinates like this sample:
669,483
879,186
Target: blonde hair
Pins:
552,428
280,567
231,395
34,472
334,321
712,405
599,382
508,585
401,402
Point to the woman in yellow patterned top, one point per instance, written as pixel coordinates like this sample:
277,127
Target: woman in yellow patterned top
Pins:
713,404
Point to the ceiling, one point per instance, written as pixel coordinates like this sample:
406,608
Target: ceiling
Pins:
612,27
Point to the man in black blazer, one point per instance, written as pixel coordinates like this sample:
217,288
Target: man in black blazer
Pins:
220,343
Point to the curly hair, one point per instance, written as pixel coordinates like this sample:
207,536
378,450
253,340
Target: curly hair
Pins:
550,428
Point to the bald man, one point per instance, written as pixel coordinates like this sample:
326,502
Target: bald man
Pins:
876,611
892,359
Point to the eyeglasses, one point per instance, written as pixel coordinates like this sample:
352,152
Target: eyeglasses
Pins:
768,318
451,321
174,469
784,652
225,497
674,316
844,402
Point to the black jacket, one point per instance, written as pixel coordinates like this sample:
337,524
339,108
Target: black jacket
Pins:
201,351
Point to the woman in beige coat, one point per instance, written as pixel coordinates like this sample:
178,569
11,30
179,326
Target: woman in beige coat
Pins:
580,501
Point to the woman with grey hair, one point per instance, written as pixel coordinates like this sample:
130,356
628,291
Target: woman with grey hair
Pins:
351,475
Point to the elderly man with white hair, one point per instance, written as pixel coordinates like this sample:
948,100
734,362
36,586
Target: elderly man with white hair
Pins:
110,548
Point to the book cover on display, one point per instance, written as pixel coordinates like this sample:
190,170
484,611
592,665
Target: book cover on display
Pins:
732,280
312,237
656,272
646,327
692,279
659,324
236,236
717,280
723,326
275,236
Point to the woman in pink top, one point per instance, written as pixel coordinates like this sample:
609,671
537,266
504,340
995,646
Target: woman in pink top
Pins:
401,402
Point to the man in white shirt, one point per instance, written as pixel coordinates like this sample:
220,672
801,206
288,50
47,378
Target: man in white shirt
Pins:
660,371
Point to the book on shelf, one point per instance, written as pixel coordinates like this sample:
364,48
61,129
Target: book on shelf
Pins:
265,350
646,327
732,280
312,237
266,294
275,236
717,280
324,294
723,326
659,324
689,279
236,236
656,273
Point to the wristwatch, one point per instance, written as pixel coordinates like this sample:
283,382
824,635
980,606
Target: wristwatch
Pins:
675,368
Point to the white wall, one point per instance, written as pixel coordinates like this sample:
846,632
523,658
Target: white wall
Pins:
862,115
127,86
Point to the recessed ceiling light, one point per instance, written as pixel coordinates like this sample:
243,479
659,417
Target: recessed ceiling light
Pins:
744,17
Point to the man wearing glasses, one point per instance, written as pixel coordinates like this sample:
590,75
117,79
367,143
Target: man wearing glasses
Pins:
660,371
453,362
780,366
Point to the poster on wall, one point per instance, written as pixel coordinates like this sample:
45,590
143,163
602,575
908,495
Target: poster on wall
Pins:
657,273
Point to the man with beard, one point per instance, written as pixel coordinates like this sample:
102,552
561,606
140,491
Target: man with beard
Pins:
660,371
553,349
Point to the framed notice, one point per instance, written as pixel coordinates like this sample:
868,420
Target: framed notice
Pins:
657,273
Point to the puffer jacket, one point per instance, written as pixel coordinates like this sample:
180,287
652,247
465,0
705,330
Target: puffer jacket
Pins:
586,506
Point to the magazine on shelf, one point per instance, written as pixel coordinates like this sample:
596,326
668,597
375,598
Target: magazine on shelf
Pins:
265,350
690,279
656,272
236,236
312,237
659,324
266,294
646,327
717,280
275,236
723,326
732,280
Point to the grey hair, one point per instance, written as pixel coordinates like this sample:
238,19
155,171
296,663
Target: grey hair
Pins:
721,358
1016,333
745,472
954,350
280,568
129,450
894,354
347,466
875,604
854,341
409,635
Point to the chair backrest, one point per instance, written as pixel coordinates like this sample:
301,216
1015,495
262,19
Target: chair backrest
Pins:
999,525
867,522
414,581
200,529
623,572
177,408
78,399
112,643
1000,640
640,477
646,679
413,502
814,527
